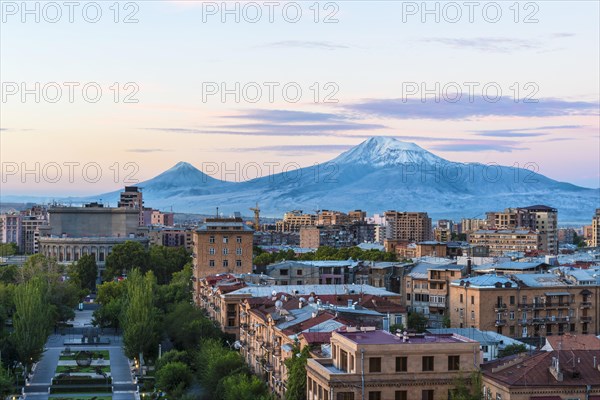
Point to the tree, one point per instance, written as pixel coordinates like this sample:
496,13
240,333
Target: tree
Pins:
39,265
241,387
6,382
139,316
417,322
446,321
396,327
8,249
512,349
467,389
31,321
186,325
165,261
125,257
214,362
110,297
296,366
174,378
85,272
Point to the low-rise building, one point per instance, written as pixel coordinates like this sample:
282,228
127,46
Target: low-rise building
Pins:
553,375
503,241
374,364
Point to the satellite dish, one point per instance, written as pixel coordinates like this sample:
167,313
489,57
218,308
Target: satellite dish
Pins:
278,304
311,299
237,345
302,300
274,293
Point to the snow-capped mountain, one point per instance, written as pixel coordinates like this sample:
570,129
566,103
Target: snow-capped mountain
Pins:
377,175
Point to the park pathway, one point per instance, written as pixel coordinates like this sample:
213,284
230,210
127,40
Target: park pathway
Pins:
123,386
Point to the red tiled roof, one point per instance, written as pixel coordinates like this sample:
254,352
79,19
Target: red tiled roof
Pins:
577,367
316,337
574,342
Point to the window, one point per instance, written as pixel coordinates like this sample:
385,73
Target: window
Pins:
461,297
453,363
225,263
408,296
238,251
511,315
238,263
211,263
225,251
401,395
473,315
427,363
401,364
299,272
427,395
345,396
374,395
211,239
211,251
225,239
283,272
374,364
472,299
238,239
498,396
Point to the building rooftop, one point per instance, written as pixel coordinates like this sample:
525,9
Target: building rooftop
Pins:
483,281
578,368
384,337
509,265
306,290
572,342
483,337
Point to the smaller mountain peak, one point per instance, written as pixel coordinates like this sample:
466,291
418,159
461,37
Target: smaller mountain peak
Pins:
183,165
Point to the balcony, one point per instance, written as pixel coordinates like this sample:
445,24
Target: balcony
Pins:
585,319
500,307
435,304
538,320
525,306
539,305
585,304
500,322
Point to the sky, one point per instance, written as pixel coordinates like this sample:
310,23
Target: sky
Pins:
102,94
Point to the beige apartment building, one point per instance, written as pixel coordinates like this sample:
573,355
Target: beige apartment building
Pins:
222,245
468,225
378,365
410,226
505,241
525,305
539,218
595,242
294,220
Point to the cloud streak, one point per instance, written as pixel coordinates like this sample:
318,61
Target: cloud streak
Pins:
146,150
477,107
307,44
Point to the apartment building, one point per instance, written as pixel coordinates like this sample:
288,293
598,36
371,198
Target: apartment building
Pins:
330,217
172,237
410,226
271,326
426,289
527,305
506,241
132,197
377,365
469,225
222,245
553,375
595,231
539,218
294,220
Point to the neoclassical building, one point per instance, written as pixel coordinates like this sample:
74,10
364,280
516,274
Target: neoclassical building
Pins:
91,229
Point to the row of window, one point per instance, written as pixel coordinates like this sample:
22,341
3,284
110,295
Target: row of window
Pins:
427,364
238,251
376,395
238,239
238,263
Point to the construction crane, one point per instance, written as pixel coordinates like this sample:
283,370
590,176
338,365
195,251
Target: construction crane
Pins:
256,217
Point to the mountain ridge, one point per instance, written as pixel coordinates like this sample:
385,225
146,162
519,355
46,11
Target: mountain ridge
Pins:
380,173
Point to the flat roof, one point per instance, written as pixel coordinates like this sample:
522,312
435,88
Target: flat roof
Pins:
384,337
306,290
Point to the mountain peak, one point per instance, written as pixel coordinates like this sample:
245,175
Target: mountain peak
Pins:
384,151
182,166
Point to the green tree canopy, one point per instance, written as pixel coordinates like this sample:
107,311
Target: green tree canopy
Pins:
139,316
241,387
512,349
296,366
165,261
124,258
31,321
174,378
85,272
417,322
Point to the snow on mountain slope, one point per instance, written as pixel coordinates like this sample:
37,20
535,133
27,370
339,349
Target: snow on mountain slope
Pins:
379,174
